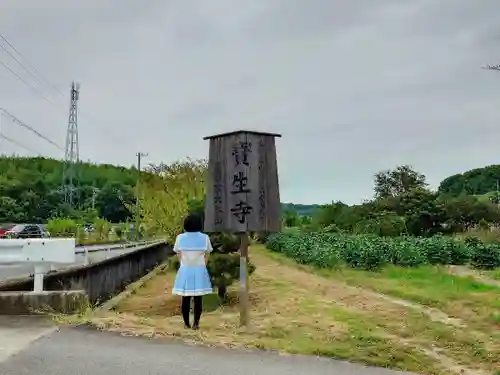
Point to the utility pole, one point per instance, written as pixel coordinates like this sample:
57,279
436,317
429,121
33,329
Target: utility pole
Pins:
72,154
497,194
139,155
94,195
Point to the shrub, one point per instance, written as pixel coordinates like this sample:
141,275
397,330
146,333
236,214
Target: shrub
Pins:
61,227
225,243
365,252
405,253
460,253
102,228
485,256
119,232
436,249
224,269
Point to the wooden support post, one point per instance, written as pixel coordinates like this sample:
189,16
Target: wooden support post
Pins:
244,303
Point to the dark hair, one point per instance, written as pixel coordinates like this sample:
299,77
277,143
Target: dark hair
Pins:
193,223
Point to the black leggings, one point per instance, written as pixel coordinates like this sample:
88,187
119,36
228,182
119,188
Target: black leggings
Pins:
186,306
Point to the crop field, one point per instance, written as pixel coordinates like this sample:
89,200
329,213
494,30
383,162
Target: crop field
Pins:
454,283
371,252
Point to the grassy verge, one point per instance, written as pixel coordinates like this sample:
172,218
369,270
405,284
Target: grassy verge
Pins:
464,312
495,275
465,298
337,314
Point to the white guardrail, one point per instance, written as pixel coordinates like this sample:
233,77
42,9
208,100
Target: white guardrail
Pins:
87,250
45,254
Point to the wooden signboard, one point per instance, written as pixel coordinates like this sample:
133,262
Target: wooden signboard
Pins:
242,188
243,192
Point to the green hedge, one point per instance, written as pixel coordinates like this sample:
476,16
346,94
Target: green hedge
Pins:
370,252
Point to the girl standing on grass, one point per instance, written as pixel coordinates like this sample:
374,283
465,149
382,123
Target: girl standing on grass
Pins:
193,248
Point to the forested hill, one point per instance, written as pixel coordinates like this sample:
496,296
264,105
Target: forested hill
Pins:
477,181
30,189
301,209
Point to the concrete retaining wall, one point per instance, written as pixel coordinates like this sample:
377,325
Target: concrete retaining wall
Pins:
100,280
26,303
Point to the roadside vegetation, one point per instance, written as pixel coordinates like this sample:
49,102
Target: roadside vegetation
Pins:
90,232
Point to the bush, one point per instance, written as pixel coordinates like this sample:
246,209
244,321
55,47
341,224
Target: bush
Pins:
61,227
404,253
224,269
370,252
102,228
225,243
485,256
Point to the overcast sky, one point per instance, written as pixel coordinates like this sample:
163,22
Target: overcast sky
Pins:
354,86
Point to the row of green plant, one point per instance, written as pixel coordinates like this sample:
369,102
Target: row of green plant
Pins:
370,252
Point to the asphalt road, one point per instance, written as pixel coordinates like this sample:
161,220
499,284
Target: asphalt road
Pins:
85,351
20,270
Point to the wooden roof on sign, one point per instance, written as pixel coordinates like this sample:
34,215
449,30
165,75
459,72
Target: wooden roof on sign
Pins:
242,131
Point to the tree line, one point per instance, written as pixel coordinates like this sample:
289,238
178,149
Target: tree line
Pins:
31,190
404,204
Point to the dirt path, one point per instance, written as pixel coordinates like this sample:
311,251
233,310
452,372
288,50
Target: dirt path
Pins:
464,271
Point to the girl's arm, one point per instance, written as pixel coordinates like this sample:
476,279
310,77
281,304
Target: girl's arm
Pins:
209,250
176,249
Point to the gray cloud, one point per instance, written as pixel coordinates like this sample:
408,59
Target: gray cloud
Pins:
354,86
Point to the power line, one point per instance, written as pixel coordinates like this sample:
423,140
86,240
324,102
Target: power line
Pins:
13,141
2,37
26,82
20,63
30,128
29,64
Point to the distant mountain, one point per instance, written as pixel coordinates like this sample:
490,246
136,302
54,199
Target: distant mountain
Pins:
301,209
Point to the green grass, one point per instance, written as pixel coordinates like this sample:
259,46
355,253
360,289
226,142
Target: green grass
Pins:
460,297
430,285
495,274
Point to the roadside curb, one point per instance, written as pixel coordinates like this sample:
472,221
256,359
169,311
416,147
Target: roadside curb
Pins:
130,289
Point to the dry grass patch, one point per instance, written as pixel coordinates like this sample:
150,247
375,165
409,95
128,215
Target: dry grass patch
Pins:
296,311
464,325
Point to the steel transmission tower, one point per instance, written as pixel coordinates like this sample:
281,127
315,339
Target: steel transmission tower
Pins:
72,154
